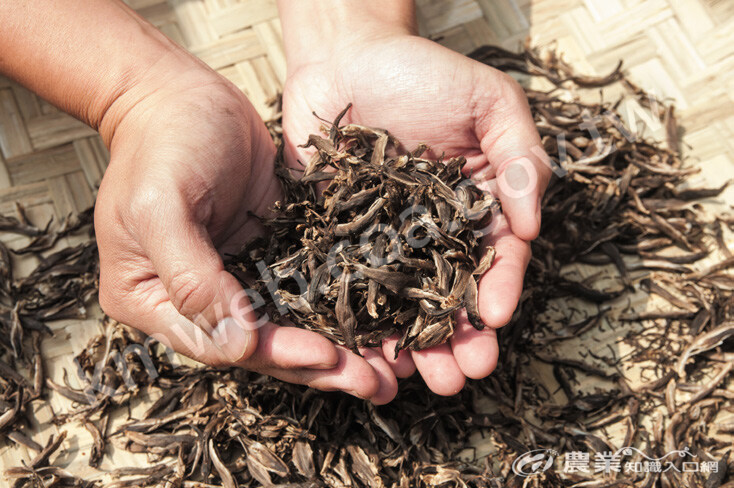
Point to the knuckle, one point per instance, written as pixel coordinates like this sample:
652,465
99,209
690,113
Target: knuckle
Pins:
190,294
215,361
106,218
145,202
108,300
511,85
106,303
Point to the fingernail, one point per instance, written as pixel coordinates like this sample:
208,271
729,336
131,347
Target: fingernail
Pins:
539,210
355,394
231,338
323,362
321,366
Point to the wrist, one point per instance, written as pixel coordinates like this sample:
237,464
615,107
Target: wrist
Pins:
314,31
89,60
167,77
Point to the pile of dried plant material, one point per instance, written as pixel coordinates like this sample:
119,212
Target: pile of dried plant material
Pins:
389,247
58,288
630,211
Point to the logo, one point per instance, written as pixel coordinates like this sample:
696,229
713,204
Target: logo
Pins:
534,462
541,460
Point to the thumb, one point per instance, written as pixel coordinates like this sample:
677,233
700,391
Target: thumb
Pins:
516,157
201,290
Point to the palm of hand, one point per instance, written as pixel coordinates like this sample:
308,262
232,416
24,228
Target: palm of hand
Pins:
423,93
183,183
416,87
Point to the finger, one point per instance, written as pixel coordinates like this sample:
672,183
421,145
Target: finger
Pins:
388,382
501,286
403,366
295,156
352,375
193,274
291,348
148,309
439,369
475,351
510,140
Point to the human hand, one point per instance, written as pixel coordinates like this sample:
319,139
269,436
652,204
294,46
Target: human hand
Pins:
190,161
424,93
191,166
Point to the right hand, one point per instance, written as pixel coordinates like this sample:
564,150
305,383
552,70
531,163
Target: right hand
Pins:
191,162
424,93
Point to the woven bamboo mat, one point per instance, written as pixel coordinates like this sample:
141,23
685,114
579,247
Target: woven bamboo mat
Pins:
682,50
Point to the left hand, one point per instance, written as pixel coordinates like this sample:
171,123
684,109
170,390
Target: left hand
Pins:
424,93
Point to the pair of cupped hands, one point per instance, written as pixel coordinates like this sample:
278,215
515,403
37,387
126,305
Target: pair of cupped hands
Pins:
192,165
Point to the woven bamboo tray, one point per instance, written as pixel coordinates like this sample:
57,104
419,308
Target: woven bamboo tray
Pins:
682,50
